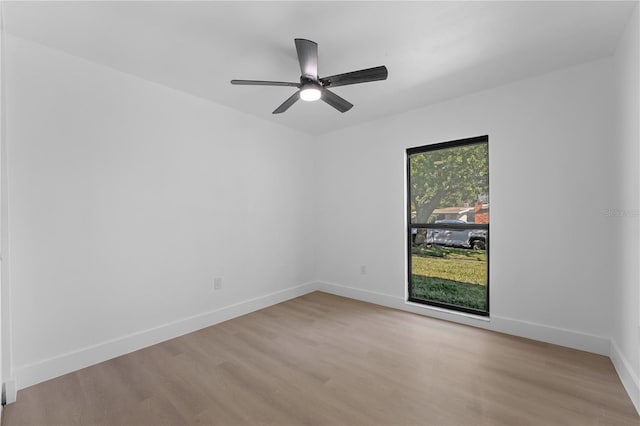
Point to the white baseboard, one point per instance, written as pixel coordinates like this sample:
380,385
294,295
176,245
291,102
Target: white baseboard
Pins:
628,377
28,375
400,303
360,294
558,336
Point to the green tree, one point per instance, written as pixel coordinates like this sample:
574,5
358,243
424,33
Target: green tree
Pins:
447,177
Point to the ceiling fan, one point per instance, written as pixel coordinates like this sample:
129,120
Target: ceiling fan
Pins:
311,87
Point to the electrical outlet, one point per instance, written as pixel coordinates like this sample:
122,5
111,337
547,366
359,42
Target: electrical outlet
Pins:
217,283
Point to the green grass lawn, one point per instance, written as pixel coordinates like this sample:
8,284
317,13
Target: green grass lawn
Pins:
450,275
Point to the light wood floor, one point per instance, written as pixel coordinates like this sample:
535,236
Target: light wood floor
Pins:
326,360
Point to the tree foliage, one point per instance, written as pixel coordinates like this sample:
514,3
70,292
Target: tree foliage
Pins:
447,177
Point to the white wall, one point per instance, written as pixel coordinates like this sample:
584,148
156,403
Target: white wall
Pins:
126,198
552,162
625,346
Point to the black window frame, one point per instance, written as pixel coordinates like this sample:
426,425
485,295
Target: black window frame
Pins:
410,226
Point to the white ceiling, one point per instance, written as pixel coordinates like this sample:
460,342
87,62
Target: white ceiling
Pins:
433,50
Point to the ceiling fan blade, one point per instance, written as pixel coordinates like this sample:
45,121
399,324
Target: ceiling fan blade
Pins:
336,101
355,77
308,57
286,104
264,83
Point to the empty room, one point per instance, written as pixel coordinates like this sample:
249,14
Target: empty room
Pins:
320,213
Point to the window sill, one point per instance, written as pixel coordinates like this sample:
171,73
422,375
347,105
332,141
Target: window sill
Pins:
448,311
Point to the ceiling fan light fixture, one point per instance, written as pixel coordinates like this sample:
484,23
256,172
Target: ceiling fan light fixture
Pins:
310,93
311,87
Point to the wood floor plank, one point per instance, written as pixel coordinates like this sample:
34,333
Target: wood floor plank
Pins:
326,360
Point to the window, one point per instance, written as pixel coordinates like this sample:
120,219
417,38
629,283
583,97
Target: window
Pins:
448,224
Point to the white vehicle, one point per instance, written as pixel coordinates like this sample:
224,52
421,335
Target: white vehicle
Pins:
457,237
